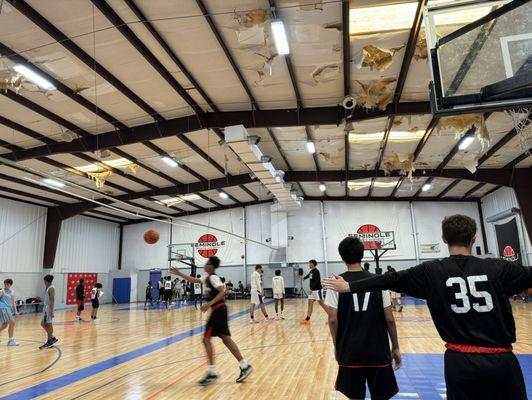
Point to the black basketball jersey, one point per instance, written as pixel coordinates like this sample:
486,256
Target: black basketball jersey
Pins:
362,335
213,284
315,279
467,296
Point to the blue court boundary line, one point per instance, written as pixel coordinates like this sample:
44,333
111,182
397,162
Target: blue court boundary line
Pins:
72,377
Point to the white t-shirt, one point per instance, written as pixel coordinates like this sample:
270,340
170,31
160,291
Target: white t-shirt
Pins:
216,281
278,285
95,292
331,298
256,281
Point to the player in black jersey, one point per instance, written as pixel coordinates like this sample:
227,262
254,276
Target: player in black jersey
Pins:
360,325
217,325
468,300
316,290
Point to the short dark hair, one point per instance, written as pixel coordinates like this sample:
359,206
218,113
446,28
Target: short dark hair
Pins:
99,285
258,266
366,265
313,262
49,278
149,282
458,230
277,272
81,280
214,261
351,250
8,281
199,276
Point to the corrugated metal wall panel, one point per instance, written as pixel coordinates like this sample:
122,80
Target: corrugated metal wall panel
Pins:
499,201
22,228
136,254
87,245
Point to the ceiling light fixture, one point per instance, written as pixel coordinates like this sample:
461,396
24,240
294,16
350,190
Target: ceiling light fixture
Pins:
168,160
54,183
34,77
311,148
223,195
466,142
426,187
280,38
323,188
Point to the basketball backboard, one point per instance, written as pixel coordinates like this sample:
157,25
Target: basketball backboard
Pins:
379,240
181,252
480,55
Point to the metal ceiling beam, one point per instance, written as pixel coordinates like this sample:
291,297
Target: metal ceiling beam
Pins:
511,164
250,119
346,50
378,198
26,10
119,24
121,129
409,50
226,51
448,157
497,146
448,188
157,36
249,192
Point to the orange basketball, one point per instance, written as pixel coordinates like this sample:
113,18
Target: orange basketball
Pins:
151,236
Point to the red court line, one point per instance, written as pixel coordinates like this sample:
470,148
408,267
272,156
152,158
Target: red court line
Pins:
151,397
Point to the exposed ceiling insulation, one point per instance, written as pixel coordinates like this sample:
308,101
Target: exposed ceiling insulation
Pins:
222,55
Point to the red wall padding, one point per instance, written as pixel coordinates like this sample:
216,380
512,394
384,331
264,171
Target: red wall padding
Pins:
73,281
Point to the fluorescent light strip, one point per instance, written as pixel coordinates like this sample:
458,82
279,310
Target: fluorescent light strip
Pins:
170,161
54,183
426,187
34,77
280,38
466,142
311,148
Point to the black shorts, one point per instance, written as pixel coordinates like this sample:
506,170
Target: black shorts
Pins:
381,382
167,295
81,304
483,376
95,303
218,323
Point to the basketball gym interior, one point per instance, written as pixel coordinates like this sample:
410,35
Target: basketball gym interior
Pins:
140,135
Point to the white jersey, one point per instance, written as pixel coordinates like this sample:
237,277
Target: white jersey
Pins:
256,281
167,285
96,293
197,286
278,285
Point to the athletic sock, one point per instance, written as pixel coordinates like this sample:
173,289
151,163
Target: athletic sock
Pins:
307,319
243,364
212,370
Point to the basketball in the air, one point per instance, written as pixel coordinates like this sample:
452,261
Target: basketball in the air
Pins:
151,236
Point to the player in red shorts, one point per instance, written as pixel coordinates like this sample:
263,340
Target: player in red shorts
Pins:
218,324
468,301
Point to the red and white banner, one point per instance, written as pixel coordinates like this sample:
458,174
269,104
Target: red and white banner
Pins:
73,281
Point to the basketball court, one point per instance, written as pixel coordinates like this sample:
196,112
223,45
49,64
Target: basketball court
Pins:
140,136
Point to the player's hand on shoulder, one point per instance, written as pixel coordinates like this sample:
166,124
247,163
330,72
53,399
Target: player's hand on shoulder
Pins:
396,359
337,283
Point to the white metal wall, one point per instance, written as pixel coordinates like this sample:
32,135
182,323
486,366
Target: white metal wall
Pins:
137,254
87,245
22,228
499,201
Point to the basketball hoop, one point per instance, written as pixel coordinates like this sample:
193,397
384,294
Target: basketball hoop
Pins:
179,257
378,245
523,127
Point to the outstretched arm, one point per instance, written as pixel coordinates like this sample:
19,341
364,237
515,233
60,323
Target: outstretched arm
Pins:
176,271
516,278
412,281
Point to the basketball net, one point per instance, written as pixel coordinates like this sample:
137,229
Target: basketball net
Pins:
523,127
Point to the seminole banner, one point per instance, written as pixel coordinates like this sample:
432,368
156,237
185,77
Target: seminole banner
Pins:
508,241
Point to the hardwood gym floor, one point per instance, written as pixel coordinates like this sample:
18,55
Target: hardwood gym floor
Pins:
131,354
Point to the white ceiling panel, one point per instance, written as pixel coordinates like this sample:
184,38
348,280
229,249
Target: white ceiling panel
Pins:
293,141
460,189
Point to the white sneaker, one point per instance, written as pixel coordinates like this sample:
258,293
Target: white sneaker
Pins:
12,343
282,316
253,321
